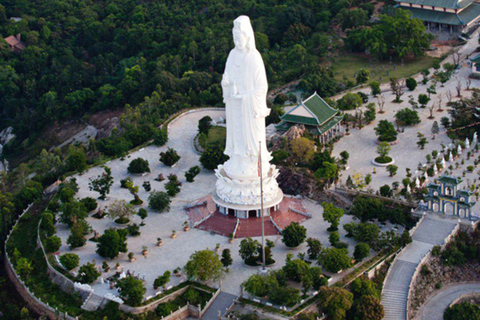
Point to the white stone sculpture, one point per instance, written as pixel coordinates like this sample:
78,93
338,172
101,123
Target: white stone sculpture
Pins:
459,150
408,188
245,88
417,183
435,168
443,163
467,144
450,157
474,140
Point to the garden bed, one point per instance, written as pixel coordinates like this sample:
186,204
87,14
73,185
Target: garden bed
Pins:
379,162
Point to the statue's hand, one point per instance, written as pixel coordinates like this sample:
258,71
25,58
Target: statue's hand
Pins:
225,80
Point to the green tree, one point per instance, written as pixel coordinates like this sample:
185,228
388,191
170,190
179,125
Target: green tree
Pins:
226,258
383,149
314,248
102,183
367,233
462,311
392,169
334,259
362,76
385,131
423,99
407,117
77,234
192,173
335,302
368,308
111,243
303,149
76,159
204,125
411,83
131,290
350,101
120,211
294,235
69,261
370,114
170,157
204,265
24,268
52,244
159,201
332,215
248,248
212,157
138,165
87,273
362,250
161,281
435,129
385,190
422,140
161,137
375,87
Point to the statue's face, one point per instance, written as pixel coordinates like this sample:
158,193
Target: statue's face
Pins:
240,39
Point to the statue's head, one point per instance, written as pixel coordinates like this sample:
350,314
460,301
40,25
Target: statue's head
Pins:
243,36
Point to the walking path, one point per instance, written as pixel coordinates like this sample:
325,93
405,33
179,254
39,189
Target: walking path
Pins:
434,308
219,306
432,231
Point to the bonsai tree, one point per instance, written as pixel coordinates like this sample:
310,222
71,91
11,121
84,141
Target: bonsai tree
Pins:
131,290
69,261
392,169
192,173
134,192
397,89
173,185
89,203
170,157
138,165
87,273
423,99
111,243
294,235
161,281
383,149
142,213
159,201
249,250
120,211
332,215
386,131
102,183
422,141
204,265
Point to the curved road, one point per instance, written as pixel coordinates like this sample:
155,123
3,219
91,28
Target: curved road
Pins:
434,308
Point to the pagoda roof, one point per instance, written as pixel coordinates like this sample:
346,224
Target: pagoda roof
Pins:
476,59
449,4
462,18
450,179
313,111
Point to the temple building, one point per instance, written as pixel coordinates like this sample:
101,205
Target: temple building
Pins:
443,15
475,63
321,120
444,197
15,42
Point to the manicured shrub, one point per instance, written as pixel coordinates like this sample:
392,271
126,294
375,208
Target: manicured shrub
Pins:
69,261
138,165
294,235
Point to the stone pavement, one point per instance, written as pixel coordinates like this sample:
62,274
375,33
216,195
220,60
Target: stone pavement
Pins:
432,231
434,308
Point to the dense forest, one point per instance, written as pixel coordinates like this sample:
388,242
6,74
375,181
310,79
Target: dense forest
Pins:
159,57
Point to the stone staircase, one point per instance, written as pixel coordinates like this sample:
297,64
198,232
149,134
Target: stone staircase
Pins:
219,306
92,303
431,231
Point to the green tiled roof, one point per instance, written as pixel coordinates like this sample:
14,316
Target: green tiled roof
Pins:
330,123
434,186
320,108
449,179
449,4
299,119
476,59
461,19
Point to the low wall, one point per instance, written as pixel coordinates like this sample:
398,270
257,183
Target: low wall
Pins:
465,296
154,304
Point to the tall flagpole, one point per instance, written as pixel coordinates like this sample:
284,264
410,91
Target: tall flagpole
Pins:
261,202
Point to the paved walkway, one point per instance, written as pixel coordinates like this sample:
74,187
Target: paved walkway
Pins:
434,308
432,231
219,306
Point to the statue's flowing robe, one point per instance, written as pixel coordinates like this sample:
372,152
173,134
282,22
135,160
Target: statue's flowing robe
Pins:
253,104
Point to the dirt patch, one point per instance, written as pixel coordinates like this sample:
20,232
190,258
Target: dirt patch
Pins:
105,121
442,48
58,133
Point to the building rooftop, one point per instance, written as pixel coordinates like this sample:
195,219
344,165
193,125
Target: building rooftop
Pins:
462,18
313,111
449,4
15,42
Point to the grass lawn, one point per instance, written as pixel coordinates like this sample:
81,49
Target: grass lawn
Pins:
348,64
216,135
